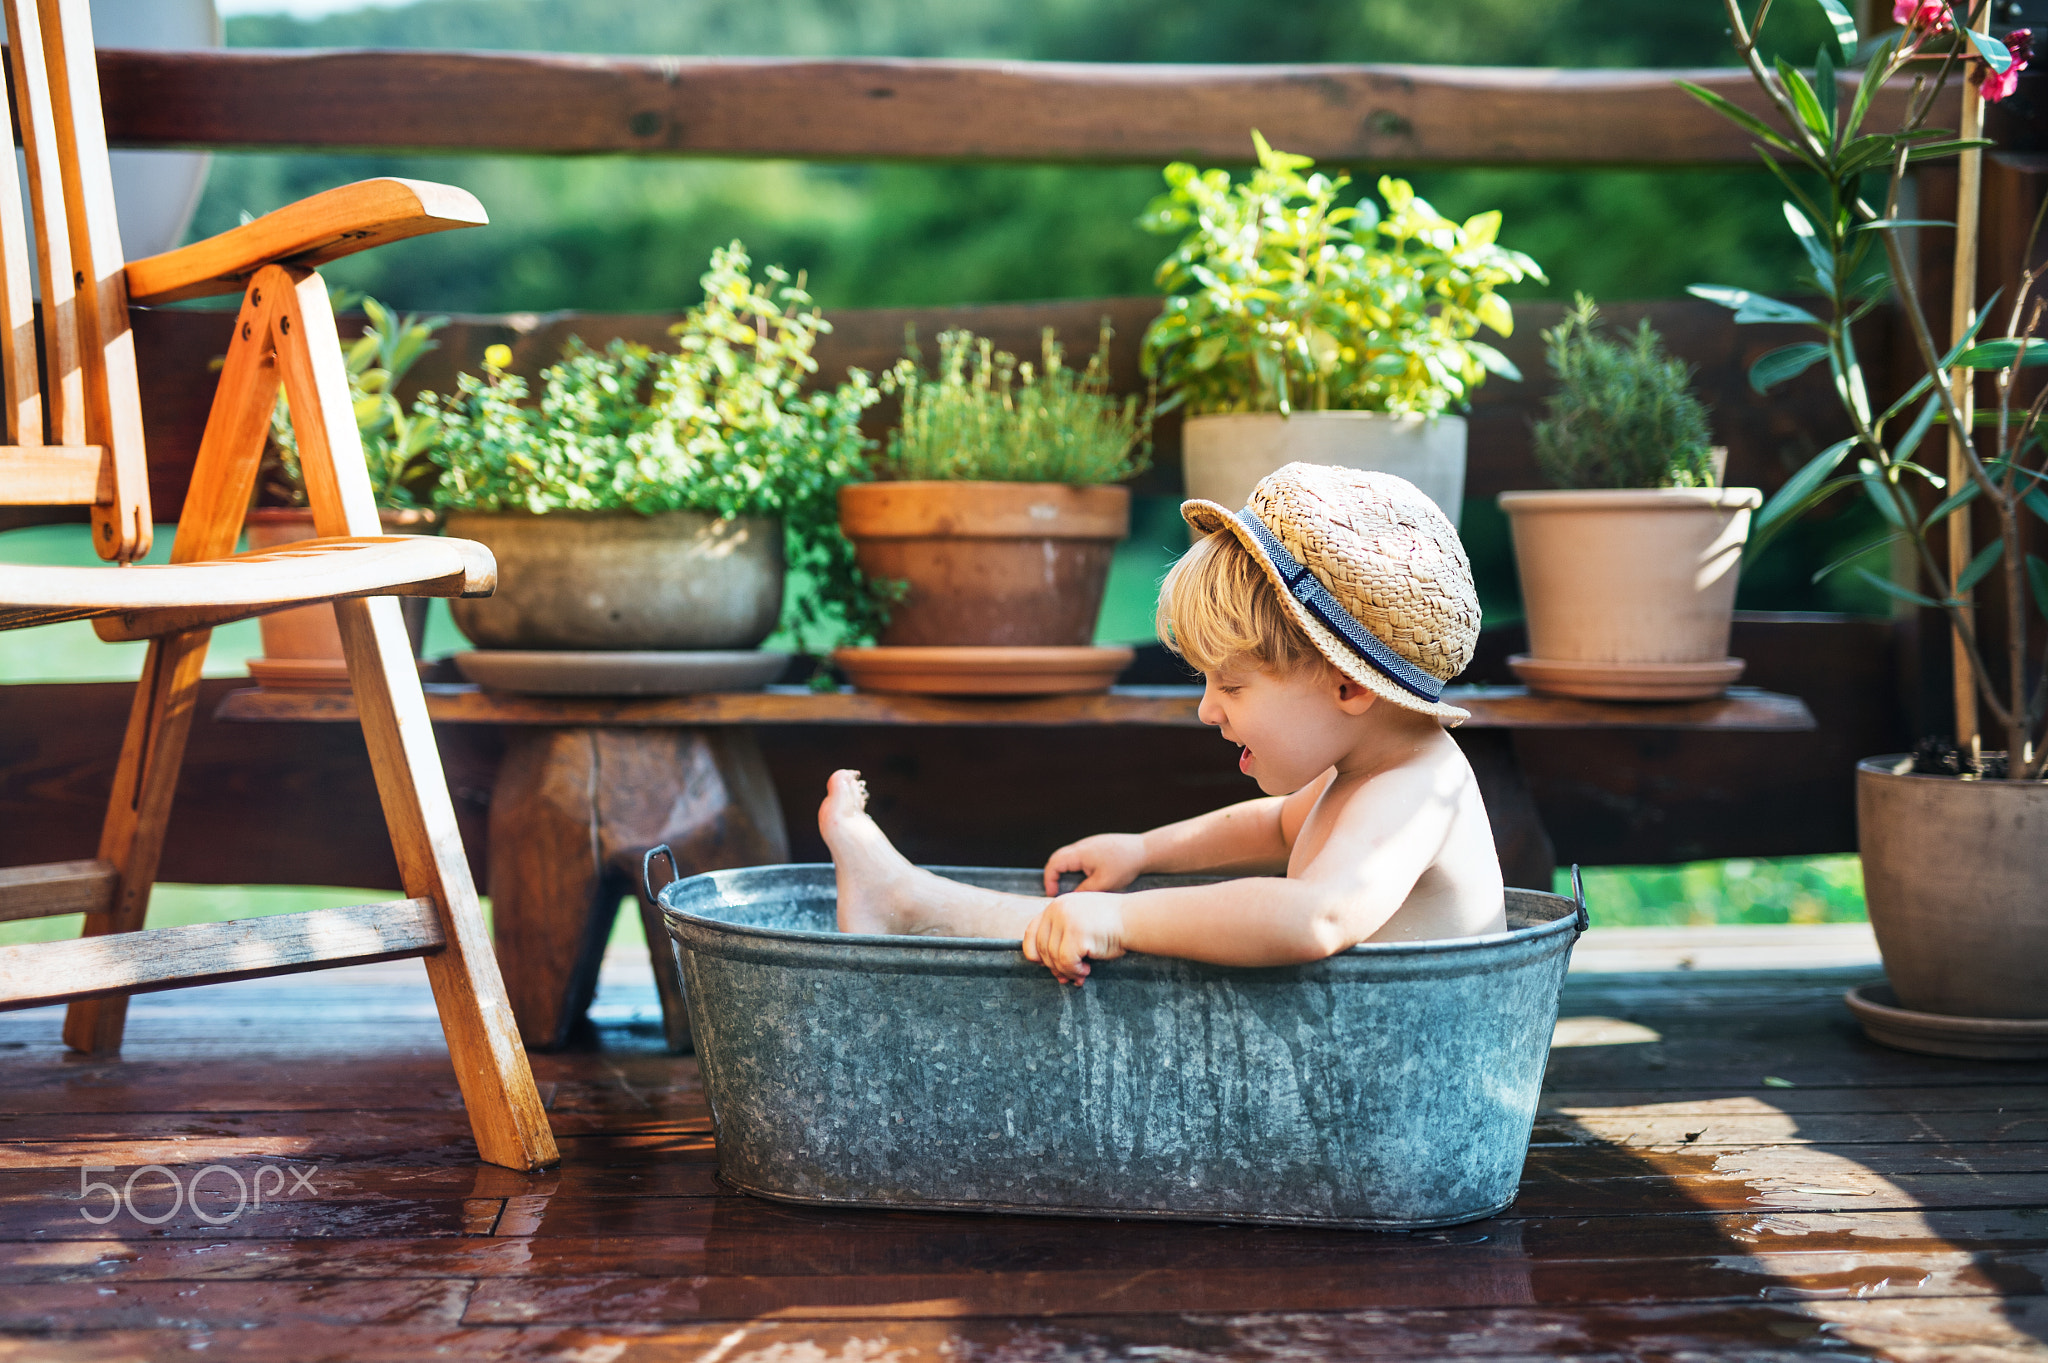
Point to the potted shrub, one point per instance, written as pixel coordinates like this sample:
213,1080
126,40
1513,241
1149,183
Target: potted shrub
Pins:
651,501
1628,568
1951,840
1296,328
998,519
302,647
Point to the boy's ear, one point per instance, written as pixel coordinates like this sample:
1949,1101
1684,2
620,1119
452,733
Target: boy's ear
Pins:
1352,698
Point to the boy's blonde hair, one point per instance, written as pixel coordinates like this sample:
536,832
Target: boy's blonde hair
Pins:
1216,606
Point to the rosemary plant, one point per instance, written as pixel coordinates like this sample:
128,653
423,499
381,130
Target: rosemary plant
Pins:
1624,414
984,415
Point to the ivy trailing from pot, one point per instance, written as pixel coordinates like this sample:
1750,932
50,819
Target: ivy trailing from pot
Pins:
1629,568
719,434
1000,512
1283,301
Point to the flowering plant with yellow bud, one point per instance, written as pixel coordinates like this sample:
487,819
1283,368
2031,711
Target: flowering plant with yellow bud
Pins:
722,424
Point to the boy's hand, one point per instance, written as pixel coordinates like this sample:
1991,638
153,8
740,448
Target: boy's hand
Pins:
1073,928
1109,861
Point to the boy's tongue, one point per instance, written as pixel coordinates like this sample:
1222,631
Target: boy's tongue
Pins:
1244,759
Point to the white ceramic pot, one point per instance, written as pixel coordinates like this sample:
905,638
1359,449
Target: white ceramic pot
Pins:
1224,456
1630,592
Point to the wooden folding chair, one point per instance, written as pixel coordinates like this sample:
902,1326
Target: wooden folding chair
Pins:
78,441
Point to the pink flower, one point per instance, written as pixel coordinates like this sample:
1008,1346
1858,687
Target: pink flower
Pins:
1996,85
1931,15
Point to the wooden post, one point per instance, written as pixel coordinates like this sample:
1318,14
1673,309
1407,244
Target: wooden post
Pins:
1962,312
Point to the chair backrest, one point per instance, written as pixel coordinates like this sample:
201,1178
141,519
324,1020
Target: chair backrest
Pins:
74,429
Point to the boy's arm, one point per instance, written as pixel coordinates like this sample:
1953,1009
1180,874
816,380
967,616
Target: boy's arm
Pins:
1254,836
1385,837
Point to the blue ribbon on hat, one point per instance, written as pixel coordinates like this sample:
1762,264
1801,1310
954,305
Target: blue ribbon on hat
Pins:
1305,587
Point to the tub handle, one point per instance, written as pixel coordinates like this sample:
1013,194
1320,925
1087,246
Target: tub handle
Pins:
1584,920
675,872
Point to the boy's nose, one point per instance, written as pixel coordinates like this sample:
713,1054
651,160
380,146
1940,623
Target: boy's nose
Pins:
1210,711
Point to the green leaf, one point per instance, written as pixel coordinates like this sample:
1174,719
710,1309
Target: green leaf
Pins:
1826,90
1803,99
1817,255
2037,578
1923,383
2036,501
1927,151
1844,25
1881,494
1736,114
1751,307
1806,488
1775,366
2001,353
1890,537
1866,89
1886,585
1916,432
1878,223
1980,566
1995,53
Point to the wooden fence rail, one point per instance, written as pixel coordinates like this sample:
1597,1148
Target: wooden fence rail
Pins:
1104,113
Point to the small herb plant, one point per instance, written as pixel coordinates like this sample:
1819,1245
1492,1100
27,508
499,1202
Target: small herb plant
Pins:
1624,414
1281,300
721,425
395,441
983,415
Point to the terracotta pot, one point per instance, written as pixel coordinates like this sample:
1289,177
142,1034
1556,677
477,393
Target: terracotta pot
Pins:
989,564
1223,457
1957,886
1630,592
609,580
309,634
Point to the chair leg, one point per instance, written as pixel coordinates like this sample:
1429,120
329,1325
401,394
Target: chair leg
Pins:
490,1064
132,838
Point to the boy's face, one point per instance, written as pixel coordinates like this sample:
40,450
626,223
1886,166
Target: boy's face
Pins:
1292,728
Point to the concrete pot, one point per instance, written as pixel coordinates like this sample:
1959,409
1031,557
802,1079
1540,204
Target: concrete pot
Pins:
1223,457
1629,592
620,580
308,634
989,564
1956,880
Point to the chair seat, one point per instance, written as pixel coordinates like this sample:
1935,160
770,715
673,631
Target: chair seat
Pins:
139,602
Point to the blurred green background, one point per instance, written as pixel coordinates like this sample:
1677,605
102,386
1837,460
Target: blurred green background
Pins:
633,234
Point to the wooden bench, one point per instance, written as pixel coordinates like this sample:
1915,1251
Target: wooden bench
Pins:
588,784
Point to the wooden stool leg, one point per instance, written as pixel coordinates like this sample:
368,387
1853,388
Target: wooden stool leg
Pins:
159,720
551,900
497,1085
708,795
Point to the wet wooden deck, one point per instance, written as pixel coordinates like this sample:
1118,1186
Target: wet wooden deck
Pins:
1676,1205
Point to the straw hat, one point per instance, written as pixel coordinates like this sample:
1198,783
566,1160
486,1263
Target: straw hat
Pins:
1370,569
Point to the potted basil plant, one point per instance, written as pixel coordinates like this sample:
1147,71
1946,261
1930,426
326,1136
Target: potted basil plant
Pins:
1301,328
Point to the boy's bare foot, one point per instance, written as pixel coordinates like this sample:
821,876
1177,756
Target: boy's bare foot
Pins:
874,878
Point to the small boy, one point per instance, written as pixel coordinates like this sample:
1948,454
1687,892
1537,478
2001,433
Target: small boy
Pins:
1325,618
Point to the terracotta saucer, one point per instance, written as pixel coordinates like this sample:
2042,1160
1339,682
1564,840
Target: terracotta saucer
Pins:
1627,681
653,672
1877,1008
983,671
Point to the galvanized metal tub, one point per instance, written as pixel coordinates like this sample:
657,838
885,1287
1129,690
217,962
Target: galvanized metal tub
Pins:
1391,1086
